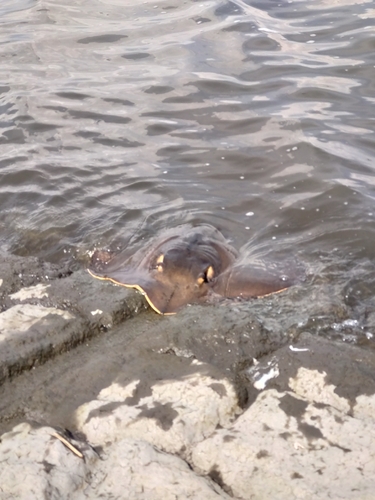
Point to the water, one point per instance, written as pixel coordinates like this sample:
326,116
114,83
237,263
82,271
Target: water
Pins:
123,118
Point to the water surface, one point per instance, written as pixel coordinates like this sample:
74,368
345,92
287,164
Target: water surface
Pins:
120,118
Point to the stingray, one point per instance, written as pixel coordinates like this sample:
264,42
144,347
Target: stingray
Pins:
187,265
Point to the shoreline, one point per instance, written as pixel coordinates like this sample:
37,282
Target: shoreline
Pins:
177,407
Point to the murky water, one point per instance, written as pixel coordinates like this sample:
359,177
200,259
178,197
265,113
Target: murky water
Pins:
119,118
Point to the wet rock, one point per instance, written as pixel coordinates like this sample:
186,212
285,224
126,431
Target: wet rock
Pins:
155,384
19,272
318,369
29,334
53,313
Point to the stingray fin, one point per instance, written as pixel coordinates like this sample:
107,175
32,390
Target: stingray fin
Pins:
247,282
140,288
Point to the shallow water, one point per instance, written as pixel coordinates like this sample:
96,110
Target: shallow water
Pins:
120,118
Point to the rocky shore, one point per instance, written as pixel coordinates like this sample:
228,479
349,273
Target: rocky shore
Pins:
102,398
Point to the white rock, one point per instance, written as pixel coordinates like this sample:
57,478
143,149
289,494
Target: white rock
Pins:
34,465
32,292
365,407
135,470
312,451
21,317
172,415
311,384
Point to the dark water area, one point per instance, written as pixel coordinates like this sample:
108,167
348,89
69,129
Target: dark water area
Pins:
119,119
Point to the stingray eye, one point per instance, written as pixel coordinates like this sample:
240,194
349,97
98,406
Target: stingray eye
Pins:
159,263
207,276
210,273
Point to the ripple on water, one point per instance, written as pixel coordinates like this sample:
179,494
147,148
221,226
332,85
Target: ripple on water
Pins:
256,117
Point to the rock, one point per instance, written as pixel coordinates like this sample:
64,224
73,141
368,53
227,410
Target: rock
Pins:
309,434
29,333
20,318
312,385
42,320
173,414
35,464
319,370
285,447
135,470
175,384
32,292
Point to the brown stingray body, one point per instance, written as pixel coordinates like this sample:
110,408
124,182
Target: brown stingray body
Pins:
186,265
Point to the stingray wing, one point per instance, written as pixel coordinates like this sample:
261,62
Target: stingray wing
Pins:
164,295
248,282
157,294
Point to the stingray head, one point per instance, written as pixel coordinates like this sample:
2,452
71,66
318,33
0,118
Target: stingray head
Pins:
174,272
184,265
179,277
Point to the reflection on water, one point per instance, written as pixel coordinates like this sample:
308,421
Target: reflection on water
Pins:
119,118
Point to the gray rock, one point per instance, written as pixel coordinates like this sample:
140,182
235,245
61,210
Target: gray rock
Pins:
343,371
27,335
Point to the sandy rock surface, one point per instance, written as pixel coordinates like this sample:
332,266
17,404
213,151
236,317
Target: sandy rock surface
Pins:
284,446
35,464
174,416
134,469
